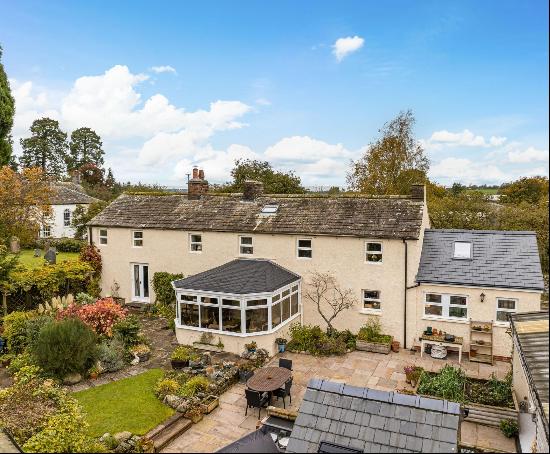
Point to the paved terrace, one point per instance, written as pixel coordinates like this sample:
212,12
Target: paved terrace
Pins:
228,423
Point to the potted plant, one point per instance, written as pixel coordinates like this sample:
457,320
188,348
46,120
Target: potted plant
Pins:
194,413
251,347
281,344
370,338
209,403
412,374
142,351
246,370
181,356
94,371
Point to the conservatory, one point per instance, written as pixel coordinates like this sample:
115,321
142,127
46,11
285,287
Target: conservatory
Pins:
243,298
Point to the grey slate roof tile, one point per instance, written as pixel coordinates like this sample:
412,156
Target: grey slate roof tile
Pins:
351,430
447,435
501,259
68,193
381,436
418,415
387,410
332,387
377,422
414,443
403,413
447,447
433,418
392,425
407,428
450,421
378,217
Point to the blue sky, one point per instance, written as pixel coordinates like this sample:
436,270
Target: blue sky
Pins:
305,85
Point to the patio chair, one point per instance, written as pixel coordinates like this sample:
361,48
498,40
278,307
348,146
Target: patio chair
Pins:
284,392
255,399
286,363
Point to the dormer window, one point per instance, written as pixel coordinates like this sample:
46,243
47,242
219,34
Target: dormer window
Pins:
462,250
270,209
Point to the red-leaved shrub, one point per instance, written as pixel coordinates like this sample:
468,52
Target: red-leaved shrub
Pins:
101,316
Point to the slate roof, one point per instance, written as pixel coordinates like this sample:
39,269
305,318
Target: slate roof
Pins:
500,259
68,193
240,276
388,217
530,330
369,420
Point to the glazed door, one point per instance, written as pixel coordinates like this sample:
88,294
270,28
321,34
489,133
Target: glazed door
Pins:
140,282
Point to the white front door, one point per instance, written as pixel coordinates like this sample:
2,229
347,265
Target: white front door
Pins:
140,282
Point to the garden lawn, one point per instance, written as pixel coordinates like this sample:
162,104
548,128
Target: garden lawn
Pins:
28,260
127,404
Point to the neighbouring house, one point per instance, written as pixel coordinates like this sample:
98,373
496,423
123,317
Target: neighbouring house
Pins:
530,380
477,275
219,242
334,417
66,196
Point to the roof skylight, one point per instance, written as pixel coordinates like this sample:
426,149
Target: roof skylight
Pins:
270,209
462,250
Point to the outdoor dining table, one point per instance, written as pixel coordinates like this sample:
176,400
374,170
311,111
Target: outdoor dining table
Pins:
268,379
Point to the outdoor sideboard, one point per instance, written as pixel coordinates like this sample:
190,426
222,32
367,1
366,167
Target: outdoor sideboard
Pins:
439,340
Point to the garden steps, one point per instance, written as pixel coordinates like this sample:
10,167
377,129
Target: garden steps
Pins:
170,429
489,416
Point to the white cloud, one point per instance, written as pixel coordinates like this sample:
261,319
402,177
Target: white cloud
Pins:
263,102
530,154
466,138
163,69
305,149
346,46
467,171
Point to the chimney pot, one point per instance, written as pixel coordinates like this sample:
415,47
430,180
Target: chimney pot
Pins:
201,174
418,192
197,186
195,173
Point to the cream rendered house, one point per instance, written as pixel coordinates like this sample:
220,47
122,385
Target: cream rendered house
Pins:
246,258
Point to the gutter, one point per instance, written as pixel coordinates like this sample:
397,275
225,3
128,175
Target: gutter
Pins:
405,294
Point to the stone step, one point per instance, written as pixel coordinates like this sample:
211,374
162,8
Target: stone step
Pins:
169,433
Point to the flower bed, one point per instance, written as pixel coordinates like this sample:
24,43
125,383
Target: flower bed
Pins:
371,339
313,340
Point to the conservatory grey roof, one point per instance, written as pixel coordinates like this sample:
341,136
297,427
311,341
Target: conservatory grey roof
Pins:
530,331
359,216
500,259
240,276
334,415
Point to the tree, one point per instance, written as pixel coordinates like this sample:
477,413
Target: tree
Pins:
526,189
467,210
110,181
46,148
7,111
85,147
393,163
91,174
8,262
275,182
82,215
457,188
24,203
324,291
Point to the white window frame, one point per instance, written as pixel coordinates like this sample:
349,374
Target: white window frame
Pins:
445,306
373,300
510,311
46,228
380,253
136,240
462,256
67,217
103,239
191,243
249,246
304,248
289,291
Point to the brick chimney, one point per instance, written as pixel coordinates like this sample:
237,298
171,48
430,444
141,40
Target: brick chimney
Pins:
418,192
197,186
252,190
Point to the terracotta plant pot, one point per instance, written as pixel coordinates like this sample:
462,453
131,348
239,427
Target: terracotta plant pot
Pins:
395,346
179,364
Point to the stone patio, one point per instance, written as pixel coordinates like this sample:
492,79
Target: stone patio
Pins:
228,422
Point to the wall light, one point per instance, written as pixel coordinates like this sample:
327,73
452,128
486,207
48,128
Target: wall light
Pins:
482,297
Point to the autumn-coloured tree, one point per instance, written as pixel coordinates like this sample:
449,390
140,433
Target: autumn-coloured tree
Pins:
393,163
24,203
526,189
324,291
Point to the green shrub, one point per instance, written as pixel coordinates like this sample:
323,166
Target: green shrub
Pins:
493,392
347,337
65,346
166,386
328,346
162,284
15,330
62,244
304,338
184,353
111,354
33,328
83,298
509,428
448,384
372,332
197,384
314,340
128,330
20,361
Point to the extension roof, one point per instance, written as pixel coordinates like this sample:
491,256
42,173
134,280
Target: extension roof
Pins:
337,416
387,217
68,193
500,259
240,276
530,330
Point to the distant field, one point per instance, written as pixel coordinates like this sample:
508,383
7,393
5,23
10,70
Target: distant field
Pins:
27,259
488,191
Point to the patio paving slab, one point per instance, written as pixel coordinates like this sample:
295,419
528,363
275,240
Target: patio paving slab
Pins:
228,422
